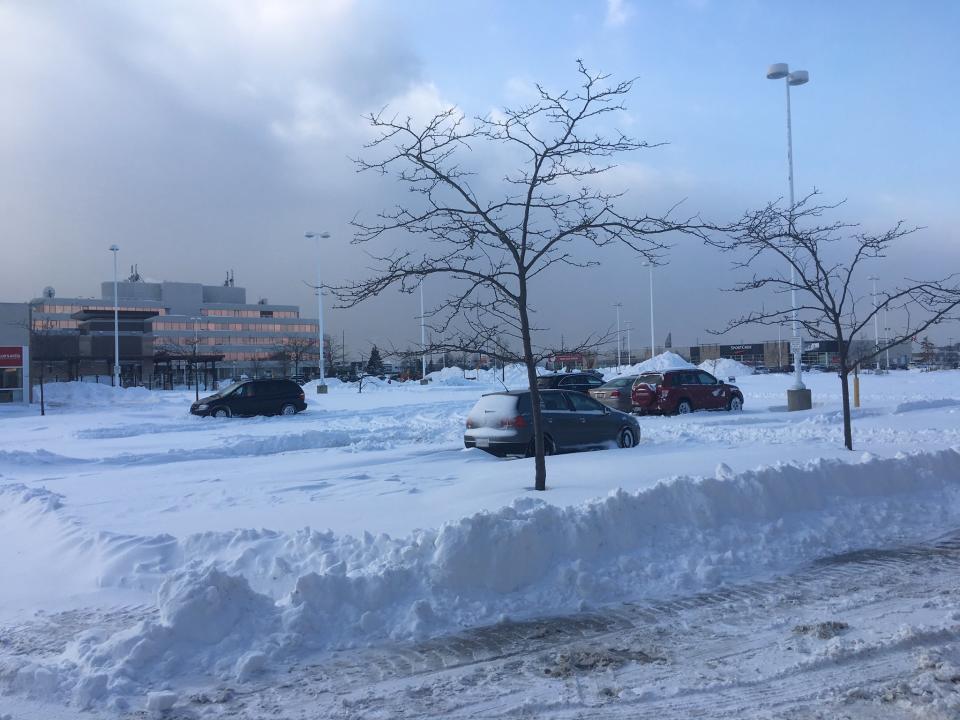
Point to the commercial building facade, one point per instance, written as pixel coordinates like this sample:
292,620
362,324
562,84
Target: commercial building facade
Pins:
168,331
14,353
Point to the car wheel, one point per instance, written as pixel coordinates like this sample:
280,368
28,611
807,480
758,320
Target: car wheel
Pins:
221,412
736,404
549,448
684,407
288,409
626,439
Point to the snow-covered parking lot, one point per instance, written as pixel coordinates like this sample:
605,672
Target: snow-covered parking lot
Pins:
149,558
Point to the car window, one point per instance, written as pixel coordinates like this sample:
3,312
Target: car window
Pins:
620,382
554,402
544,382
568,381
582,403
651,379
594,381
706,378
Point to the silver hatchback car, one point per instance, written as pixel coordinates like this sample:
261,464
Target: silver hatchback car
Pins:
502,424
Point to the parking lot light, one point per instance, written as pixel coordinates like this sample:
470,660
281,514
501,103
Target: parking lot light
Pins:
798,397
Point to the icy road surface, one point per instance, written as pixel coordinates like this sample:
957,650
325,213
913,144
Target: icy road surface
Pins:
356,561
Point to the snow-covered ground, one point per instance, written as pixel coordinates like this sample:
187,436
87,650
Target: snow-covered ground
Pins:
149,558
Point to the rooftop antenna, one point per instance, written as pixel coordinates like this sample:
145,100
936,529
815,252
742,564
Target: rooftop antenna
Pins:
226,283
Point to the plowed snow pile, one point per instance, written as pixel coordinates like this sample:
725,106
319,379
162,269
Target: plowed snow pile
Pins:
230,604
724,368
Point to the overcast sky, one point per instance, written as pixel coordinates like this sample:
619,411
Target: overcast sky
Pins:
207,135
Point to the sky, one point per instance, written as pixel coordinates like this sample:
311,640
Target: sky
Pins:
209,135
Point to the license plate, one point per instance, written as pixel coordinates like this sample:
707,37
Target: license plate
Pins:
483,443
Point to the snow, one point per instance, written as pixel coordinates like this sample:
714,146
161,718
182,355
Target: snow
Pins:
724,368
217,551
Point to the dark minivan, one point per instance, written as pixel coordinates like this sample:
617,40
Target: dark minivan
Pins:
253,397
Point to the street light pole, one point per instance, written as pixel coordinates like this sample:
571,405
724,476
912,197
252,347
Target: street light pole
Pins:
196,344
116,321
618,306
876,322
322,386
653,341
629,325
423,341
798,396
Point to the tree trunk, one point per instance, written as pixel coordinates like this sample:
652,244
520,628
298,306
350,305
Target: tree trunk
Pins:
845,395
540,463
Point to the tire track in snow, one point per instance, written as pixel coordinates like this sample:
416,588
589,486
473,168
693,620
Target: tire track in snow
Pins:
389,672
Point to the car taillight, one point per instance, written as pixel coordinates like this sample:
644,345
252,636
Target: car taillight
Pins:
470,424
514,422
615,393
302,396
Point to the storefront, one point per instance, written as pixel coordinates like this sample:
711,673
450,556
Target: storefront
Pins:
14,374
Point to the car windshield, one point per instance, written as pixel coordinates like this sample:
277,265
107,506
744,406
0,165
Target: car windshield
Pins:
544,381
223,392
621,381
651,379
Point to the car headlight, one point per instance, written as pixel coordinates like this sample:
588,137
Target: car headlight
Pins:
202,406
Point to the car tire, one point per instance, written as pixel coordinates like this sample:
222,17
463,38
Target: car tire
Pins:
288,409
549,447
221,412
684,407
626,438
735,404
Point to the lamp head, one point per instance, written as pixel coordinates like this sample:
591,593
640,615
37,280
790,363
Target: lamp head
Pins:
114,248
798,77
777,71
313,235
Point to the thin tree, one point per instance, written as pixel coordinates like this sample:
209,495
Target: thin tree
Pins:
536,216
828,308
295,350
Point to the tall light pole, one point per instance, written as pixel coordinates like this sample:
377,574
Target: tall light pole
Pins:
196,348
876,321
798,396
116,321
653,341
423,341
886,335
629,325
322,386
618,306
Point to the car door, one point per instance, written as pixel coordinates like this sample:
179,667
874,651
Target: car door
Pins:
242,400
591,419
558,419
689,387
714,393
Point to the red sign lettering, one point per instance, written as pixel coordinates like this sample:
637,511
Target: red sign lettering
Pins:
11,357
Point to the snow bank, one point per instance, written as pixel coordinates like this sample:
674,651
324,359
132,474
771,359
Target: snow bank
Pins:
658,363
724,368
244,601
89,394
925,405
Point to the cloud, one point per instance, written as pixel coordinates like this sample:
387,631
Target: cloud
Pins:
618,13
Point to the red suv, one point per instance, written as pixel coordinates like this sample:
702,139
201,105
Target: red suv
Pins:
683,391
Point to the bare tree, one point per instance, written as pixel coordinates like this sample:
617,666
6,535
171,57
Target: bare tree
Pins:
827,306
294,350
491,250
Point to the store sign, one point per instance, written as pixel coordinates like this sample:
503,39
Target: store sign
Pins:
11,356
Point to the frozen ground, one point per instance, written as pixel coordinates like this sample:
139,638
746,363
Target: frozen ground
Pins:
355,561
